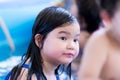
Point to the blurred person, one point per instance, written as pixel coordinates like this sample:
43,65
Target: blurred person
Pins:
54,45
101,57
87,14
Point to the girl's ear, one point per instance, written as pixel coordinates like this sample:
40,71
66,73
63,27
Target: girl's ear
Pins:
38,39
106,19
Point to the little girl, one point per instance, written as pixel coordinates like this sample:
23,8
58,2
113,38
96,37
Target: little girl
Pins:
53,47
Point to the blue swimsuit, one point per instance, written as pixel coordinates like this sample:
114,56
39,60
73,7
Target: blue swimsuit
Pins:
37,76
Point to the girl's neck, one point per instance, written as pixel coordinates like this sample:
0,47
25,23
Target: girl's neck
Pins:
49,70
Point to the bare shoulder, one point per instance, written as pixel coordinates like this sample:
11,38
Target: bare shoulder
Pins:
24,73
99,36
98,40
97,44
94,55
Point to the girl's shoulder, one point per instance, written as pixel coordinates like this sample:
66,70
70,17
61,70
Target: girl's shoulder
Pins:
24,73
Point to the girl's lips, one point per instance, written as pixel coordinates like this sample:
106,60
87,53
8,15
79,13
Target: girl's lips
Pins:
68,54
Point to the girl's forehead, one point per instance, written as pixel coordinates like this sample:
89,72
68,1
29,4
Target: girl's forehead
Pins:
74,27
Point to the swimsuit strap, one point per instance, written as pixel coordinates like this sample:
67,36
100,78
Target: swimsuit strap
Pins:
26,66
57,77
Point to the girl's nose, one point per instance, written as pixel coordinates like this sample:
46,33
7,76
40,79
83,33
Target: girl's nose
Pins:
71,45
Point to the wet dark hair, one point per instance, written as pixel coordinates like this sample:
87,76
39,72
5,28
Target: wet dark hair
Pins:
47,20
109,5
89,13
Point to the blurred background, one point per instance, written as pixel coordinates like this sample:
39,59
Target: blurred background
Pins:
16,21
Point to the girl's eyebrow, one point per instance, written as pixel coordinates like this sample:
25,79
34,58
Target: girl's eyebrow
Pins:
77,35
68,33
65,32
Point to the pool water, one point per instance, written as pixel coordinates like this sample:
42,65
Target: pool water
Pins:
6,66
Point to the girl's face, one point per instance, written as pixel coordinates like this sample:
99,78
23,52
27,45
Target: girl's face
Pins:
61,45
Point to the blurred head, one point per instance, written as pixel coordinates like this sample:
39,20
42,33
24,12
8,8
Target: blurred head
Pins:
89,19
110,14
88,14
110,6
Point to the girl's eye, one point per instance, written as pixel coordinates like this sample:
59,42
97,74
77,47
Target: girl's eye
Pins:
75,40
63,38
